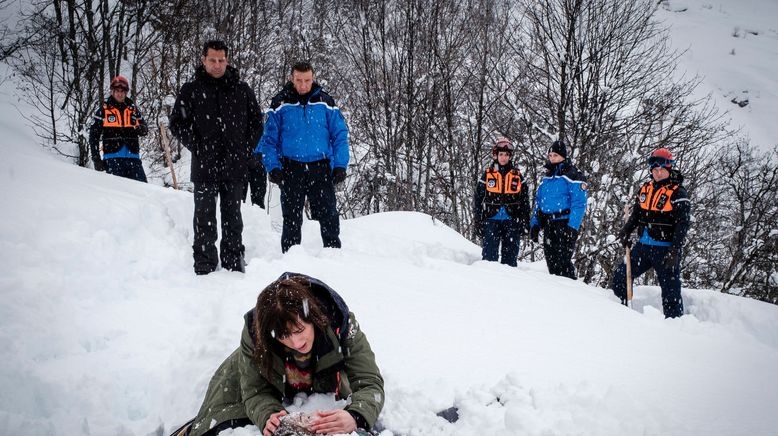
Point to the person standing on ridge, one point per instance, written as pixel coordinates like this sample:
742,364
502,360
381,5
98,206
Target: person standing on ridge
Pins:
661,215
560,205
501,206
217,118
119,123
305,149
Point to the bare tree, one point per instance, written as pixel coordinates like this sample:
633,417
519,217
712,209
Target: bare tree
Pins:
602,77
738,254
426,87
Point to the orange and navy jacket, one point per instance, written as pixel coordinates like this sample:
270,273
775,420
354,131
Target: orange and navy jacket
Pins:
663,209
502,187
118,125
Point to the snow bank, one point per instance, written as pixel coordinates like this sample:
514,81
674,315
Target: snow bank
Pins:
107,330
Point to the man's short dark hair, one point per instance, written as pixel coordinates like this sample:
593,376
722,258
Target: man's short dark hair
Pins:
214,44
302,67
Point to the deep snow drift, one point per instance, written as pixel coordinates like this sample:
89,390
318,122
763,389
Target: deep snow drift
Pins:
106,330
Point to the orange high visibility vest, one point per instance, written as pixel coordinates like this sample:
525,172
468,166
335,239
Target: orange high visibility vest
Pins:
656,200
113,117
496,184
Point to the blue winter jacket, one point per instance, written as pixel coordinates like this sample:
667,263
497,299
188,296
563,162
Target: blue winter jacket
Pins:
305,128
561,194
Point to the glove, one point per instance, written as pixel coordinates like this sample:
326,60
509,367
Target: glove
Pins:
534,231
100,165
623,239
338,175
671,258
276,176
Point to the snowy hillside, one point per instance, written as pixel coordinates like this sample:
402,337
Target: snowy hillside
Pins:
733,46
106,330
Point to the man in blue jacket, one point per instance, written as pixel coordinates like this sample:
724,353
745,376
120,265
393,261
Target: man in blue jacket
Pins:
560,205
305,149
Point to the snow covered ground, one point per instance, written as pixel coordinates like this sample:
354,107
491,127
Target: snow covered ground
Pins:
733,45
106,330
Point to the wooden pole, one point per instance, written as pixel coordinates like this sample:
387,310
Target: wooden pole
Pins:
627,260
163,134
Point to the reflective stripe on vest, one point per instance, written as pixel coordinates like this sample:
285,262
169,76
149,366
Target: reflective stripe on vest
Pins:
658,200
113,117
496,185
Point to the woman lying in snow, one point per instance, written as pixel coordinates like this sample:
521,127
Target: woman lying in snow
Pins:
300,337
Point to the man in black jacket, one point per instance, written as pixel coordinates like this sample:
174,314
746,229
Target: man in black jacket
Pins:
661,215
216,117
118,123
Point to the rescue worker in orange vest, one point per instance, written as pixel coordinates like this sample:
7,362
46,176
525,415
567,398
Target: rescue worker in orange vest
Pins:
661,215
501,206
119,123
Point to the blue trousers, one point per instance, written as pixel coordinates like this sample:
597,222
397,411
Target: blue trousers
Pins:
501,236
644,257
129,168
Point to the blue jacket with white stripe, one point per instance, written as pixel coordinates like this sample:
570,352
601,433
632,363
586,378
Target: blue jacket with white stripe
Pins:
561,195
304,128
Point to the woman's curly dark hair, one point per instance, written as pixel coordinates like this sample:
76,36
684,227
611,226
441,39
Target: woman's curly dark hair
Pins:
282,304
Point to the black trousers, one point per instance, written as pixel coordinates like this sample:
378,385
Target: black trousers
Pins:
231,248
314,181
257,181
558,246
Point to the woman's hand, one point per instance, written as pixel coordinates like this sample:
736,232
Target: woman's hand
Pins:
333,422
272,423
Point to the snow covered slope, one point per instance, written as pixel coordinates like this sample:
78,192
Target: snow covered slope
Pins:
105,330
733,45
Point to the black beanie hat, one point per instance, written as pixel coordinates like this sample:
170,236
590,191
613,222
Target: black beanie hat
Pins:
559,148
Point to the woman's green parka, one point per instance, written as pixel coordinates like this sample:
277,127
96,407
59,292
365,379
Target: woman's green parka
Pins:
241,388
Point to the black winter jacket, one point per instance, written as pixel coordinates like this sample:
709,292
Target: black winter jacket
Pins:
219,121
